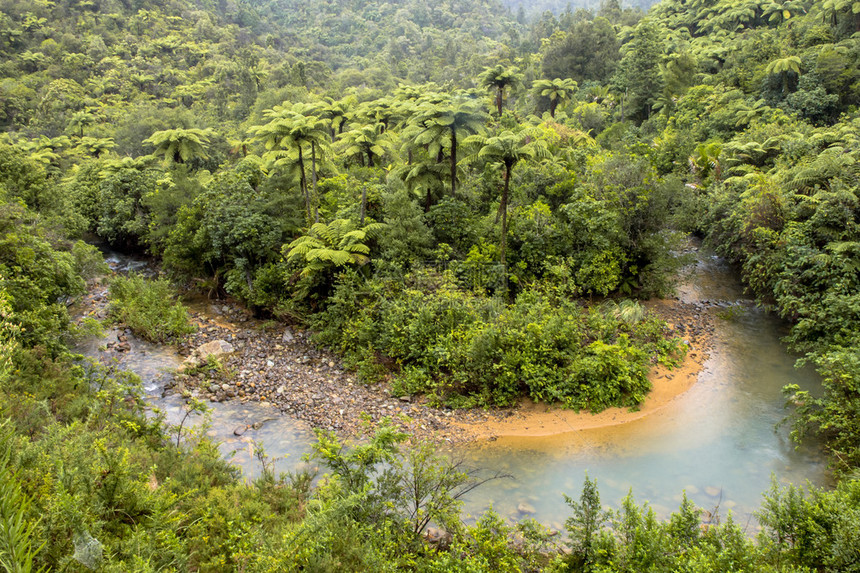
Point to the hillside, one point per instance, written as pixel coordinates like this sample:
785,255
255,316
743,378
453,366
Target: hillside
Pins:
466,206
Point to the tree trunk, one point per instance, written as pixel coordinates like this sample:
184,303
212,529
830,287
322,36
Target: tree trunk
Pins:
303,185
499,96
553,103
363,203
370,157
504,208
453,162
314,179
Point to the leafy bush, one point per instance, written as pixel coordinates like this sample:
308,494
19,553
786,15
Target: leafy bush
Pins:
39,277
466,349
146,307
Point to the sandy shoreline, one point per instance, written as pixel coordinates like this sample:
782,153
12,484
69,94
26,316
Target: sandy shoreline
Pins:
278,366
532,419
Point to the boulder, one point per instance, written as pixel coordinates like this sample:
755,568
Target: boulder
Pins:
438,538
525,508
213,348
204,351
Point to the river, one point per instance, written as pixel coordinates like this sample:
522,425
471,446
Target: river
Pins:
719,441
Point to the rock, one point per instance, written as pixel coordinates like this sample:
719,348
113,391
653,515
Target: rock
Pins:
525,508
212,348
288,336
713,491
438,537
202,352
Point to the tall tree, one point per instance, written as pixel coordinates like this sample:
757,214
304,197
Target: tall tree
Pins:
450,119
639,74
587,51
81,120
499,78
290,130
584,527
786,68
509,148
557,90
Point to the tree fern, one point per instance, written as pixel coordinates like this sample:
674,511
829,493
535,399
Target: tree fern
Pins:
333,245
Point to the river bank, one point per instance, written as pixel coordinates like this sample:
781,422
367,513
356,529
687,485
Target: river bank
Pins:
707,427
274,365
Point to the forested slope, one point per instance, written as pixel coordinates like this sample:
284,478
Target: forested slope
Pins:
474,239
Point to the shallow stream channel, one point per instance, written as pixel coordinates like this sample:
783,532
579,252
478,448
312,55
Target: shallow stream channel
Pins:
719,441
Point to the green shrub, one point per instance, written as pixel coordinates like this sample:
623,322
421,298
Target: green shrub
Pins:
38,276
146,307
469,350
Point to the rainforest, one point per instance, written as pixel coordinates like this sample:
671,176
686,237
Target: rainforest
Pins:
407,226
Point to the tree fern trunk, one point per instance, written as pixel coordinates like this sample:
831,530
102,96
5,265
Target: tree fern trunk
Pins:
453,162
303,185
504,209
314,180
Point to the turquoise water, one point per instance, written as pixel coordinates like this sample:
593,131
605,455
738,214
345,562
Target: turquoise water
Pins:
718,441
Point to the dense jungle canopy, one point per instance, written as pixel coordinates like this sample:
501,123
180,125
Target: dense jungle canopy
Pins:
460,197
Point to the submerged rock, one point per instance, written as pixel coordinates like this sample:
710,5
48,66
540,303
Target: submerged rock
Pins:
525,508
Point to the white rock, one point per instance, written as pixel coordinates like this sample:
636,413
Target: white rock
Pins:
213,348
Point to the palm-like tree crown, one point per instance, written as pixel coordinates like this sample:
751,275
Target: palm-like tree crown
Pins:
509,147
441,123
557,90
336,244
369,141
180,145
499,77
784,67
